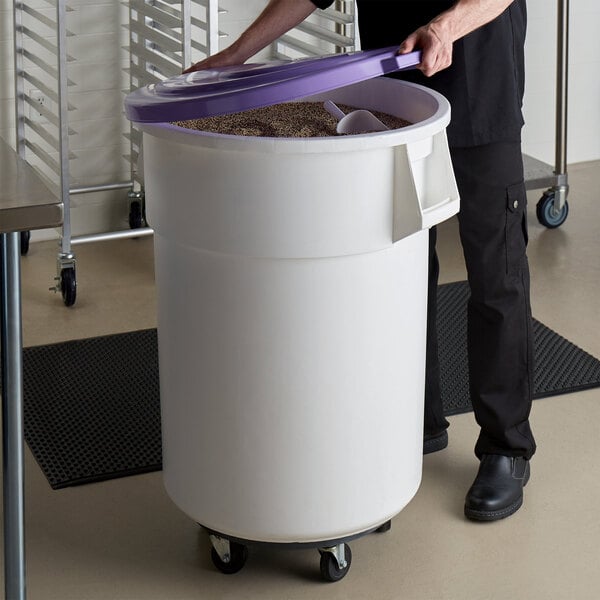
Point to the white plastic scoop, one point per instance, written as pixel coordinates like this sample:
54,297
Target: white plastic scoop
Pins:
357,121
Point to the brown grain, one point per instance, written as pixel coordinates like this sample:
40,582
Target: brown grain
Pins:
290,119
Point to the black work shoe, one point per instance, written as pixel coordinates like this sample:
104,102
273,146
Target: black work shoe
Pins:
497,491
432,442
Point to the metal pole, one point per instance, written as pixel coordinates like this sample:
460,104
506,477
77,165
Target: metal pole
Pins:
212,24
186,33
63,120
19,86
115,235
339,28
12,417
562,72
86,189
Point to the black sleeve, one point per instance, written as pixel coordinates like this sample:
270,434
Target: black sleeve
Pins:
322,3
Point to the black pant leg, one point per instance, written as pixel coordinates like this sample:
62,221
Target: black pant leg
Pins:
434,412
493,231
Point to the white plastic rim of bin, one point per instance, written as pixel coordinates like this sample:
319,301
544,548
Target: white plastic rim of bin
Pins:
292,293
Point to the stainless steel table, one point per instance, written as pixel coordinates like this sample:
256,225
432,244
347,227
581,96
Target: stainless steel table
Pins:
25,204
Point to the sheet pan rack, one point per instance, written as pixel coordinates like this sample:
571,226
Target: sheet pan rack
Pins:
43,129
164,36
327,31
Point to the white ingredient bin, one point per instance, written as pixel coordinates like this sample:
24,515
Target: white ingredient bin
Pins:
292,297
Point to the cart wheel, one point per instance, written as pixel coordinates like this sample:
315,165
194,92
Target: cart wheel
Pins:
25,236
546,214
330,570
238,555
68,285
136,219
384,527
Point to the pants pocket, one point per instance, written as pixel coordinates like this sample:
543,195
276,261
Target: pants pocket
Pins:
516,227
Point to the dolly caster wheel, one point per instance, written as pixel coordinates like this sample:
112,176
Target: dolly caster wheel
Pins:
384,527
25,237
228,557
335,562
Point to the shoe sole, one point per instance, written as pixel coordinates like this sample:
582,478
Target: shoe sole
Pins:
493,515
496,515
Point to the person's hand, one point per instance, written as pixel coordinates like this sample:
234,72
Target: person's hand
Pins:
436,48
225,58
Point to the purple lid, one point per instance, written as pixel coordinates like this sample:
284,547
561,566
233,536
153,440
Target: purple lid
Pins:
233,89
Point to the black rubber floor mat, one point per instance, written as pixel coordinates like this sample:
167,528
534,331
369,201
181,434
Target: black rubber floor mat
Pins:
92,409
560,366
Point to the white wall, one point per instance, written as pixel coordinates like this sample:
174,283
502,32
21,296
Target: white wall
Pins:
99,79
583,142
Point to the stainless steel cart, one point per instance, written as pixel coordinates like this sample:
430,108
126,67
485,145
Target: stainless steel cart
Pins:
42,122
552,209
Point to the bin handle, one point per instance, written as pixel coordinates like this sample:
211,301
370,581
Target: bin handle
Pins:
425,191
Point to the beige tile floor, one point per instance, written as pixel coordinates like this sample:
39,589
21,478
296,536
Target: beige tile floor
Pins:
124,539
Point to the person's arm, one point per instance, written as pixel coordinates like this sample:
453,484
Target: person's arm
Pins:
435,39
277,18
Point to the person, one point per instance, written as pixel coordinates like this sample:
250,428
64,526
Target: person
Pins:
472,53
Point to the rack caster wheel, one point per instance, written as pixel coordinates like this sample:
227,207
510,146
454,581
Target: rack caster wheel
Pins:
546,213
335,562
136,218
228,557
25,236
68,285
